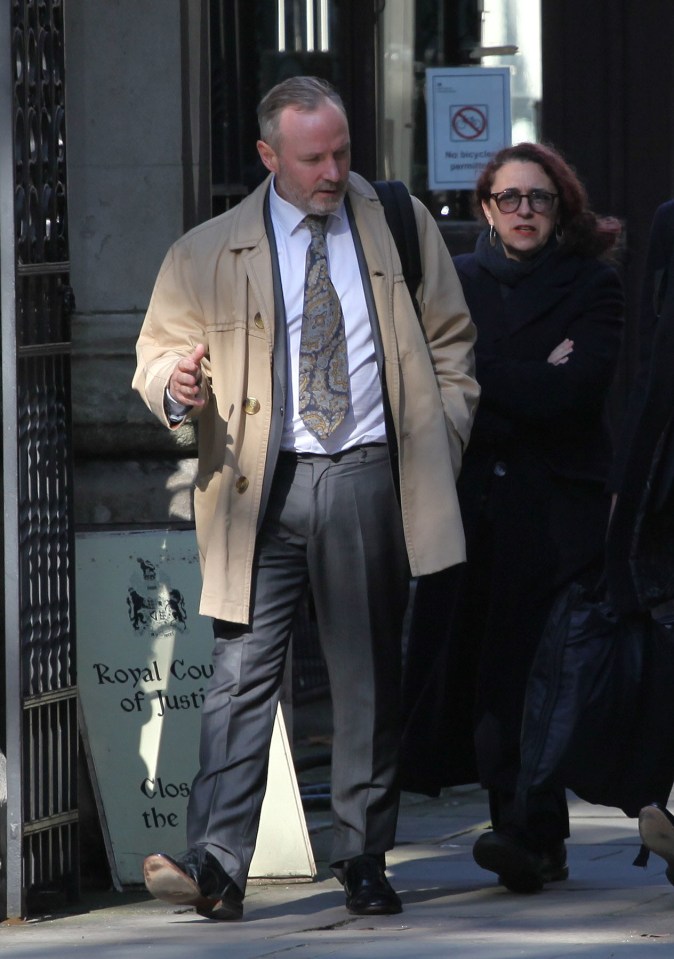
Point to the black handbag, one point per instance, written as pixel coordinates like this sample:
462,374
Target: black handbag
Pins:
599,707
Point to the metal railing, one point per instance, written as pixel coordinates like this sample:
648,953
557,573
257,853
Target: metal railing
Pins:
41,731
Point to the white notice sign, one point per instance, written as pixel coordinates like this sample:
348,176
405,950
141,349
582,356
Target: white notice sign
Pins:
144,661
468,113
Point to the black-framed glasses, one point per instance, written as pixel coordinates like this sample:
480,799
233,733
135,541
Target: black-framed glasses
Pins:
540,201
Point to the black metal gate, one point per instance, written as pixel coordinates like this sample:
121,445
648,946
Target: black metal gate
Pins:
39,849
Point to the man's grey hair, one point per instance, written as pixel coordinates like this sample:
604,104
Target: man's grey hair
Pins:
303,93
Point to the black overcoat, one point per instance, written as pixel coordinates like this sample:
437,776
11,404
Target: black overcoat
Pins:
649,421
535,511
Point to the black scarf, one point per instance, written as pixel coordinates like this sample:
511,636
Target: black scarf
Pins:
507,271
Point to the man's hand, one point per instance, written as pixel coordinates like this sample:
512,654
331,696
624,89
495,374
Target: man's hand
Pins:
561,353
185,385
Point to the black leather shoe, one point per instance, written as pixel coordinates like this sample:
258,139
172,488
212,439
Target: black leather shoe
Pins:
197,879
656,828
368,891
520,868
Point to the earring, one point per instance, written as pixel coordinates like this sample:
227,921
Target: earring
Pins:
559,232
492,235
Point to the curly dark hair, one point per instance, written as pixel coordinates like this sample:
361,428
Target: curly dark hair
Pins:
584,232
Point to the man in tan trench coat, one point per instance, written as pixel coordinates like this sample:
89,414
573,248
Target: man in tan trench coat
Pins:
349,503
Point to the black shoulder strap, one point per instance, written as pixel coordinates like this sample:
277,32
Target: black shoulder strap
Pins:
399,212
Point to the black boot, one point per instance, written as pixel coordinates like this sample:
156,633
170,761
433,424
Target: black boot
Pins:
519,864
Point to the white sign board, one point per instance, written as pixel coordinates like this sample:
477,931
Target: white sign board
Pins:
468,114
144,661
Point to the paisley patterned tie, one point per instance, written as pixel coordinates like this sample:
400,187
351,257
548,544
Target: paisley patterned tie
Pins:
324,379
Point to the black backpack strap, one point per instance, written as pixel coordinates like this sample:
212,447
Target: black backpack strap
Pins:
397,203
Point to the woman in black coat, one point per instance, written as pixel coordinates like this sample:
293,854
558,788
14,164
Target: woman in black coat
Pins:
548,313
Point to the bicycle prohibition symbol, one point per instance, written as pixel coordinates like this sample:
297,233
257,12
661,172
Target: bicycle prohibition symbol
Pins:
469,123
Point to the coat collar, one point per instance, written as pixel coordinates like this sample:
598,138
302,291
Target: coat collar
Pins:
248,228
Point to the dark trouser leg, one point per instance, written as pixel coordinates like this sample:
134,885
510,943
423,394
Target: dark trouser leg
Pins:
240,708
360,579
547,817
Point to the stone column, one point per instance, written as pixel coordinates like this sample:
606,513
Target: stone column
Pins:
135,136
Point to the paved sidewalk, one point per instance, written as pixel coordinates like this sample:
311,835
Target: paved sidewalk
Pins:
607,908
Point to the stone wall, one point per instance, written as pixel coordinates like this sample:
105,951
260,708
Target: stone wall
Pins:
124,70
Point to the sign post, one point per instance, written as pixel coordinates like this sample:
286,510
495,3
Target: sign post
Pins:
144,661
468,114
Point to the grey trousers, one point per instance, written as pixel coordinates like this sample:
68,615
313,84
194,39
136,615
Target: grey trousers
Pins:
334,522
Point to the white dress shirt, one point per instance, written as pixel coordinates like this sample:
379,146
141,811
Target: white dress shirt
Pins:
364,421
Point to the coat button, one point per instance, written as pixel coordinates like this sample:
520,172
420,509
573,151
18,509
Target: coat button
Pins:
258,321
500,468
242,484
251,405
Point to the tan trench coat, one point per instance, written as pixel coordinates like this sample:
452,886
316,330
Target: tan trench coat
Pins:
215,288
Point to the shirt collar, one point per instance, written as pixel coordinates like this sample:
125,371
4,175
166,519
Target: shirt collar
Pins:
288,217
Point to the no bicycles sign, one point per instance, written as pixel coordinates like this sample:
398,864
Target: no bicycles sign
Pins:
468,122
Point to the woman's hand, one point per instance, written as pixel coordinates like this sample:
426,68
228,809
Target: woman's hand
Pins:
561,353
